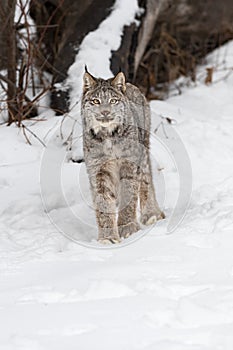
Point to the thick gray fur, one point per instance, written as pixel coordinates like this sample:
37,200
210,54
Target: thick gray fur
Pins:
116,126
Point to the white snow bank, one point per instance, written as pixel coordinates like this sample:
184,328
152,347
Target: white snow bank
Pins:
95,49
167,292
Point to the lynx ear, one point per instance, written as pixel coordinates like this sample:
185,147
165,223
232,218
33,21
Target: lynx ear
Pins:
89,81
119,82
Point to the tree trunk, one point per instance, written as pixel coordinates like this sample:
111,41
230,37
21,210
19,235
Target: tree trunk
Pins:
153,9
7,13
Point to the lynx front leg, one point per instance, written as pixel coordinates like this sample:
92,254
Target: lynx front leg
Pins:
129,187
105,205
150,211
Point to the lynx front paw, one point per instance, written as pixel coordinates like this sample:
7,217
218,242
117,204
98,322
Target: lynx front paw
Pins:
108,236
109,240
126,230
160,215
152,218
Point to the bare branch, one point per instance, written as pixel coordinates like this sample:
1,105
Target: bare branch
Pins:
31,132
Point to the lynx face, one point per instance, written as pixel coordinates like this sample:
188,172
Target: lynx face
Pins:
104,104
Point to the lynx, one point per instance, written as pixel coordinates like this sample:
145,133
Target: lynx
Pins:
116,126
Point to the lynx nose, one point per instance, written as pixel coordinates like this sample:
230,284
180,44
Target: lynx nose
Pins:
105,116
105,113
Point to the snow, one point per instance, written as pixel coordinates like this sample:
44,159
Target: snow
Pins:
161,291
97,45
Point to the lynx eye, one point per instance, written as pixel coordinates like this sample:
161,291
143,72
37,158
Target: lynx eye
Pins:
113,101
96,101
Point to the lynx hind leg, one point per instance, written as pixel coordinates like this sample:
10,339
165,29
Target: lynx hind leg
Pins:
150,211
105,204
126,229
129,189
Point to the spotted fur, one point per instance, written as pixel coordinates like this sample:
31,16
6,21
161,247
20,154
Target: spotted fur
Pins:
116,126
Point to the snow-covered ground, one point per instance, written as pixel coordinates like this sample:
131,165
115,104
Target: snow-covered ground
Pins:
163,291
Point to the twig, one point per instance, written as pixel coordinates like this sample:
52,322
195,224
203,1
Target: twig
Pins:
168,120
26,137
68,115
31,132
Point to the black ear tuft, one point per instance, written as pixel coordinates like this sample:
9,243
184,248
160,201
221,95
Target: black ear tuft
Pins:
89,82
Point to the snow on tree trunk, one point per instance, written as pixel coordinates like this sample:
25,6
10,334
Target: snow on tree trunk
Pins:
167,40
61,26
